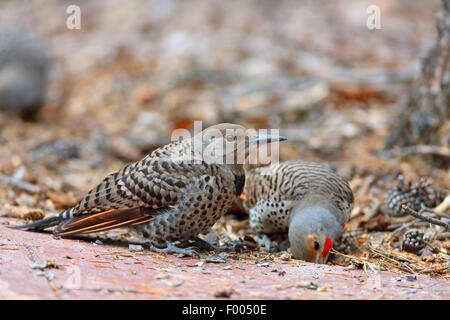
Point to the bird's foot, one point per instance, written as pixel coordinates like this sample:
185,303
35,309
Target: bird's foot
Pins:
207,245
284,245
171,248
264,240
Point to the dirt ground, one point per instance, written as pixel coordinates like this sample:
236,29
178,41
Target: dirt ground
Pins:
72,269
139,69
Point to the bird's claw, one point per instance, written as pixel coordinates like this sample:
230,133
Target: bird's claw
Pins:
171,248
207,245
191,251
264,240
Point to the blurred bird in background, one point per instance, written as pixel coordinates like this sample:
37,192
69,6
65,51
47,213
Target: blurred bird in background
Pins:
24,68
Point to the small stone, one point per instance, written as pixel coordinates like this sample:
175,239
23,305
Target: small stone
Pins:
398,279
50,276
307,285
265,264
410,277
162,276
136,247
412,290
285,256
223,293
50,263
98,242
214,259
325,288
178,284
302,284
315,276
35,266
40,274
224,255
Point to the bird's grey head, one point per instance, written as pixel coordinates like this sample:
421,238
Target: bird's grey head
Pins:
229,143
312,230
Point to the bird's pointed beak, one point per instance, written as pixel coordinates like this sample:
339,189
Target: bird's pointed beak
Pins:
266,138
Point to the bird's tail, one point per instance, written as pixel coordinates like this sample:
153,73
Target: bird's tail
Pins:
45,223
67,224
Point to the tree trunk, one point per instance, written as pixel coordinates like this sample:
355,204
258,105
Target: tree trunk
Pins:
424,119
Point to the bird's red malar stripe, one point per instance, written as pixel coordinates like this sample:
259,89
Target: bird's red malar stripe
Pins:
326,247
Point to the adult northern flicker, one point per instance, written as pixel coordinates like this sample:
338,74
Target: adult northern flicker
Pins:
307,200
173,194
23,71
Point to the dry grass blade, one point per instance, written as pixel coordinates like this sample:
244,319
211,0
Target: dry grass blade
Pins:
385,259
414,223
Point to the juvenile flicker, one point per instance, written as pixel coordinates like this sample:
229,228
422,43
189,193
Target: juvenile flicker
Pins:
173,194
24,69
307,200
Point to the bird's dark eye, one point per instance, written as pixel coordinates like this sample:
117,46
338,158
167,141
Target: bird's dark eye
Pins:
230,138
316,245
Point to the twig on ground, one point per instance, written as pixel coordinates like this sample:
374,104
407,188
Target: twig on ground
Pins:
374,212
443,235
419,215
19,184
444,206
392,261
415,223
432,248
21,212
422,149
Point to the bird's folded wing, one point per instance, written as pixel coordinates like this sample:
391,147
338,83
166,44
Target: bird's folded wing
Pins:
133,195
151,186
106,220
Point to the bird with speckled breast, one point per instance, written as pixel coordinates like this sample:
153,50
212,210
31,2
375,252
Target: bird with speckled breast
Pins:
307,200
175,193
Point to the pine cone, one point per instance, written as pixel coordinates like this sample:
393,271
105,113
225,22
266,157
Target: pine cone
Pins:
413,241
413,197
